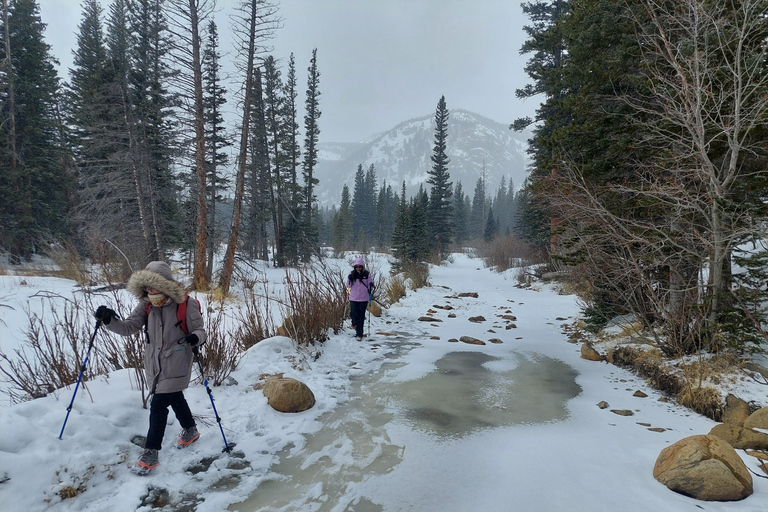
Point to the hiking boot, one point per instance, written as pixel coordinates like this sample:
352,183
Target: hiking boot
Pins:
148,460
359,338
187,437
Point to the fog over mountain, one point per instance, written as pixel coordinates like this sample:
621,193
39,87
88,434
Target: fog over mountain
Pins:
474,143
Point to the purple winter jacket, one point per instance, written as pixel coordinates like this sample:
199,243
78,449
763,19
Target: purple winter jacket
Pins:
358,284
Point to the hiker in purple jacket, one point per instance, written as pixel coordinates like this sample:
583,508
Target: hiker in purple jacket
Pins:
360,288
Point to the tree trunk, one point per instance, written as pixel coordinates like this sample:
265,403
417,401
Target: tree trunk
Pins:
229,257
201,240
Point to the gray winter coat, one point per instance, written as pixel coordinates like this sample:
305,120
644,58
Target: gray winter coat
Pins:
168,359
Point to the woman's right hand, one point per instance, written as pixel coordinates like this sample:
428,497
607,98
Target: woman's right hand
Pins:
104,314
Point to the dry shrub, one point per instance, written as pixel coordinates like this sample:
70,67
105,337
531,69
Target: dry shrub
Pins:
70,264
255,319
51,355
315,302
508,251
56,345
222,351
417,273
394,289
121,352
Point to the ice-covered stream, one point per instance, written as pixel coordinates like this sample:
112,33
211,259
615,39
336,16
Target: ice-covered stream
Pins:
388,420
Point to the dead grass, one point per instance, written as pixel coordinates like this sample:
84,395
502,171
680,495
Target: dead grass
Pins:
684,381
702,399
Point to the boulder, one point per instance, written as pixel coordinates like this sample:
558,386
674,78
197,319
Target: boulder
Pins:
471,340
288,395
289,327
589,353
758,419
740,437
374,308
705,468
736,410
477,319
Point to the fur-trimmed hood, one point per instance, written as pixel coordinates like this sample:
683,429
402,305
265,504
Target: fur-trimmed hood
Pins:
157,275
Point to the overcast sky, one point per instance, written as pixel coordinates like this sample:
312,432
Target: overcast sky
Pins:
381,61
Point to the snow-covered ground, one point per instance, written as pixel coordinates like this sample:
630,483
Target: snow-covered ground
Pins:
591,460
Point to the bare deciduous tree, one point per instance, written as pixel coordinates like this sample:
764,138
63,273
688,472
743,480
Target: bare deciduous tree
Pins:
255,25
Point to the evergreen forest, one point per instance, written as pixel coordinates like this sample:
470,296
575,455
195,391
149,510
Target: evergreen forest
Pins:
646,186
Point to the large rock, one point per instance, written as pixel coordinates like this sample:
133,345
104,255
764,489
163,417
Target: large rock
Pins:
471,340
704,467
589,353
758,419
374,308
288,395
739,437
736,410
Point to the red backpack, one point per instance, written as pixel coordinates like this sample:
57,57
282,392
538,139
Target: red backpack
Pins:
181,313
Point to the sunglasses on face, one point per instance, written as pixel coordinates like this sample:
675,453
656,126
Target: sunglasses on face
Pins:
358,266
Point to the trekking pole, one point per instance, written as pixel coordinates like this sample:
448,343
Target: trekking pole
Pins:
198,358
370,300
80,377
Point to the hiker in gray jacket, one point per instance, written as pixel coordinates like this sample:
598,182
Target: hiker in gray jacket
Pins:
168,355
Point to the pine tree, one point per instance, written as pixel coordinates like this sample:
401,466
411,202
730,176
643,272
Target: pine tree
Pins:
359,202
343,223
401,241
148,105
259,203
89,115
491,226
421,248
293,236
478,214
216,139
547,47
440,206
276,129
311,134
36,183
386,203
460,215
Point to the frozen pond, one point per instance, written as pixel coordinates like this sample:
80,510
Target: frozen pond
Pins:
386,421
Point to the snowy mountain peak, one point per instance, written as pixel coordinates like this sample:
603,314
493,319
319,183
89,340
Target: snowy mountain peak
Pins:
474,144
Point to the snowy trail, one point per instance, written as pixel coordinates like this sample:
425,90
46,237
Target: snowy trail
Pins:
517,426
371,457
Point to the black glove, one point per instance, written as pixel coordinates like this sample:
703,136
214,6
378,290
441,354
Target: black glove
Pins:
104,314
192,339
